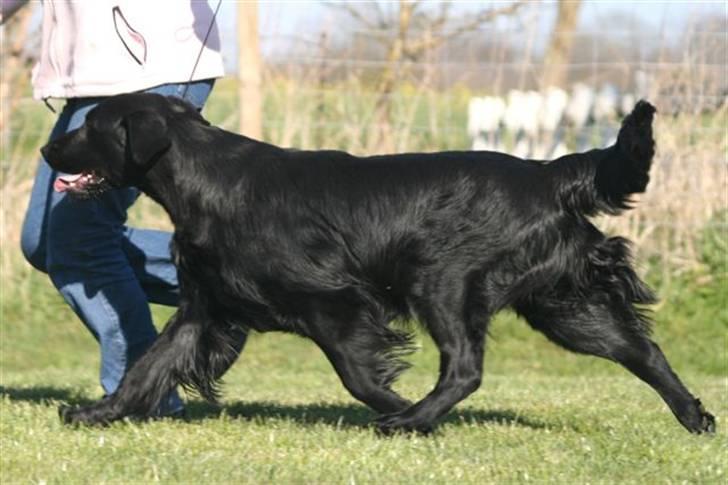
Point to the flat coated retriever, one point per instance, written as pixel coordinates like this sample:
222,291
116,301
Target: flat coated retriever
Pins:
335,247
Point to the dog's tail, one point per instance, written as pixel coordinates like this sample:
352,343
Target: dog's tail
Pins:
603,180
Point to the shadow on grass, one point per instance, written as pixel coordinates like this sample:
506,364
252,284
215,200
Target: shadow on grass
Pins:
345,415
334,415
44,395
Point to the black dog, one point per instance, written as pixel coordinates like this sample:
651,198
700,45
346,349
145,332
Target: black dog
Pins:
334,247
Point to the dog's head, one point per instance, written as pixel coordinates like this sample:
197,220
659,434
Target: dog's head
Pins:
121,140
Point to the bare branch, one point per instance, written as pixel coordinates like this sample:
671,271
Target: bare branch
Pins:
444,15
415,49
381,17
358,15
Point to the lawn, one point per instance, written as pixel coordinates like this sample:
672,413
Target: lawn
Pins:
541,415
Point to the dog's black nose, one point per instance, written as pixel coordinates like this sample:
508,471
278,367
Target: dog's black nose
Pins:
46,151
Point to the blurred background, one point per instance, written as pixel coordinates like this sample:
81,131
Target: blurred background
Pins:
536,79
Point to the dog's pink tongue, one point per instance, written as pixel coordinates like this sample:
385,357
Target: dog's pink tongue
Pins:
62,183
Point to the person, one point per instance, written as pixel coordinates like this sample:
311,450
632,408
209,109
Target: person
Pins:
106,271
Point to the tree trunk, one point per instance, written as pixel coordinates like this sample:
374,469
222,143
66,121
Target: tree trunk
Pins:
382,139
250,96
562,39
13,38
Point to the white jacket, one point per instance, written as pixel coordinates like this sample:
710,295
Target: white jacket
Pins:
107,47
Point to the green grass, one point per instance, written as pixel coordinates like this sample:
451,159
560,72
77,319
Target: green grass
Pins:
289,425
542,414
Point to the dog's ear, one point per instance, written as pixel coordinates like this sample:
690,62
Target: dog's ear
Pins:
146,136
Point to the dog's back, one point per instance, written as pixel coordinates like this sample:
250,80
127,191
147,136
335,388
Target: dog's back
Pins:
392,221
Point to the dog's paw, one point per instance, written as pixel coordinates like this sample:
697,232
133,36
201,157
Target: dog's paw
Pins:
391,424
707,421
77,416
708,424
697,420
69,414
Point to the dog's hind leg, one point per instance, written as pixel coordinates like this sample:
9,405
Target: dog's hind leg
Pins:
186,353
364,351
616,330
360,369
461,345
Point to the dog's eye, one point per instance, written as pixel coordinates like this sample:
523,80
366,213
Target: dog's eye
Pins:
93,122
92,118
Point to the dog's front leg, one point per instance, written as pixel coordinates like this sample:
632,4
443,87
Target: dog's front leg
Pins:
151,377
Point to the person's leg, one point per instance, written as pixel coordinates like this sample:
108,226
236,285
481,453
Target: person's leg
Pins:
104,270
86,263
148,250
33,239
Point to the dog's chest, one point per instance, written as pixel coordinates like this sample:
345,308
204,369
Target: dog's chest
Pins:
204,265
221,274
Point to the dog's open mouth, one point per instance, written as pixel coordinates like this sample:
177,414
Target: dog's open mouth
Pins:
84,184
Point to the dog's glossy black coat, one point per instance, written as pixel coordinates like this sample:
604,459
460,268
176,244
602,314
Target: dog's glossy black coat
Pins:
335,247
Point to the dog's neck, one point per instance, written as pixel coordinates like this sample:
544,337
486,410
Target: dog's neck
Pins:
192,187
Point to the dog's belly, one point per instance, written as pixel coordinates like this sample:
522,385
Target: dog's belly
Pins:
234,293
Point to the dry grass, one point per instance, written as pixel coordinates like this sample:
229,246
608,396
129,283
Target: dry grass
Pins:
687,193
687,190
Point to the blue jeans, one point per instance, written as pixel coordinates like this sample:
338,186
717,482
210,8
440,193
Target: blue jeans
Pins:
107,272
